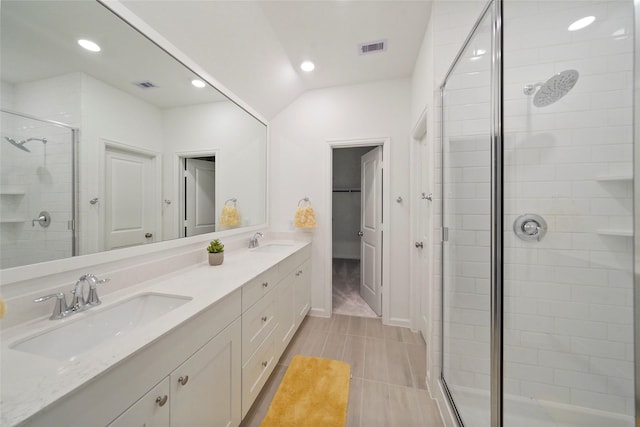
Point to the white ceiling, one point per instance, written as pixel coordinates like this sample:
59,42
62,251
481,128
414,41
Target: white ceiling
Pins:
254,48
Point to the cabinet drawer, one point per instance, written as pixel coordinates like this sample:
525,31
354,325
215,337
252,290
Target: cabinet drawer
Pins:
258,287
257,370
257,323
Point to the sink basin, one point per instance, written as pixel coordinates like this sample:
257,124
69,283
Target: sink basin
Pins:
93,328
272,247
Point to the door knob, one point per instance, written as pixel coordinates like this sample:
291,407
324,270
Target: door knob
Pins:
419,245
360,233
148,235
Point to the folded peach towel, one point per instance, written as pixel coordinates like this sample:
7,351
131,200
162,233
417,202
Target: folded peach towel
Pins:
230,216
305,217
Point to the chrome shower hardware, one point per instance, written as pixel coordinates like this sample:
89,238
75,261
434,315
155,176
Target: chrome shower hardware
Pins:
20,144
546,93
530,227
44,219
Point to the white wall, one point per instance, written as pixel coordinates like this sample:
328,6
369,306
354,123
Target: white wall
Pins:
109,114
299,163
238,142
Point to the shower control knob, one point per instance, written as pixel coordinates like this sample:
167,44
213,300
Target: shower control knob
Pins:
530,227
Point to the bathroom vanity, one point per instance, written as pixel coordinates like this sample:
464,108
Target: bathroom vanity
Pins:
199,346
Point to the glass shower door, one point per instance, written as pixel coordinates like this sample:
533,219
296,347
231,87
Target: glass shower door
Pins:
466,256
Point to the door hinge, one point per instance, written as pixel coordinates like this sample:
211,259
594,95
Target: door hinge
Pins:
71,225
445,234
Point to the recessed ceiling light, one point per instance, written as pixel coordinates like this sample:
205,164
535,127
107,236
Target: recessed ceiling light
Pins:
198,83
581,23
307,66
89,45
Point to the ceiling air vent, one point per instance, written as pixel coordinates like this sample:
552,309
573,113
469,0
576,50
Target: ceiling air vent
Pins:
145,84
372,47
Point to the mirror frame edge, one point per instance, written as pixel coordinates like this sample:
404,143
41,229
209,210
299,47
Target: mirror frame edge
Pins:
13,275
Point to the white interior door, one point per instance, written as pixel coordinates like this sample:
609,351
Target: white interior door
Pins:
421,209
130,188
371,228
200,209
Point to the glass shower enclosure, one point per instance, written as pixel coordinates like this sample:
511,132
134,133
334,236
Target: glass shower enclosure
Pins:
37,190
538,242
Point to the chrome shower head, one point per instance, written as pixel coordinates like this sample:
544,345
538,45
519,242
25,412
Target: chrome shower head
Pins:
20,144
553,89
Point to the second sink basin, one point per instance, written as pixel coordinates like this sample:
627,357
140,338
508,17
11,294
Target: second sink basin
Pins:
92,328
272,247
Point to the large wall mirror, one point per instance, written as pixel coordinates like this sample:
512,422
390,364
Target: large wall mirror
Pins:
113,148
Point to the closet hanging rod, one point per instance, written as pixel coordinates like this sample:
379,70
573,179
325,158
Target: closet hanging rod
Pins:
346,190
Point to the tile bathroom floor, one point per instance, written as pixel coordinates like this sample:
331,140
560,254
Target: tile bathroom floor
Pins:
387,365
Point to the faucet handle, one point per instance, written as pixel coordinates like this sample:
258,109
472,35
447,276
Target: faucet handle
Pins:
60,309
93,298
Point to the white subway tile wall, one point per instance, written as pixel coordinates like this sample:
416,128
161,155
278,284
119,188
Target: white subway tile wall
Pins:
39,180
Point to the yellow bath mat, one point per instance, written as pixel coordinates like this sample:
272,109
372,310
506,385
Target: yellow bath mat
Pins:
313,392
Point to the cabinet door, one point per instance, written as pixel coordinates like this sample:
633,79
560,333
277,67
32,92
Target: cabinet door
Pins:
286,311
151,410
302,291
205,390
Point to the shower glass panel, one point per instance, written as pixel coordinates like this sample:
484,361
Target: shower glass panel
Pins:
36,190
466,256
568,307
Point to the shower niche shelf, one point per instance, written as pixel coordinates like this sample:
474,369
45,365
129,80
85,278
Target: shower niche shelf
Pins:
11,220
11,191
615,232
610,178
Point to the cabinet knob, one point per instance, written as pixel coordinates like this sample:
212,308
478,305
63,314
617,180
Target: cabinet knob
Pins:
162,400
183,380
265,284
264,364
264,318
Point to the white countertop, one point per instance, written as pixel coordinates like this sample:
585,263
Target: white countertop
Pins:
30,383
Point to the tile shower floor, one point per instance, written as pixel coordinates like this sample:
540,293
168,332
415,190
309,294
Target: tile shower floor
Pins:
387,365
346,289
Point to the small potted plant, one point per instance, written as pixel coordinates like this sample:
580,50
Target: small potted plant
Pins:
216,252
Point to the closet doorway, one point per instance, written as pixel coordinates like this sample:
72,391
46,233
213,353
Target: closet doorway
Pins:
357,231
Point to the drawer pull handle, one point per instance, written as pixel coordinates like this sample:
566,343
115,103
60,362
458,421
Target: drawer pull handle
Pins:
264,364
264,318
265,284
162,400
183,380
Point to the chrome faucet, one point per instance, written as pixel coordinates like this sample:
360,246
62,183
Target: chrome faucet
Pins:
253,242
78,302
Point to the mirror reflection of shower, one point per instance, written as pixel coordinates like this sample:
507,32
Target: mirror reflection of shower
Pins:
553,89
21,144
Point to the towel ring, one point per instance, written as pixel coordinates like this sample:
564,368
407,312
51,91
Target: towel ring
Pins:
232,200
305,199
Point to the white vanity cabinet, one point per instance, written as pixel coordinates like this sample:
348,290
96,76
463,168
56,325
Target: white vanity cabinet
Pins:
201,392
271,321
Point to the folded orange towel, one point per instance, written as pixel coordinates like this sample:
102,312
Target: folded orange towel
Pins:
230,216
305,217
